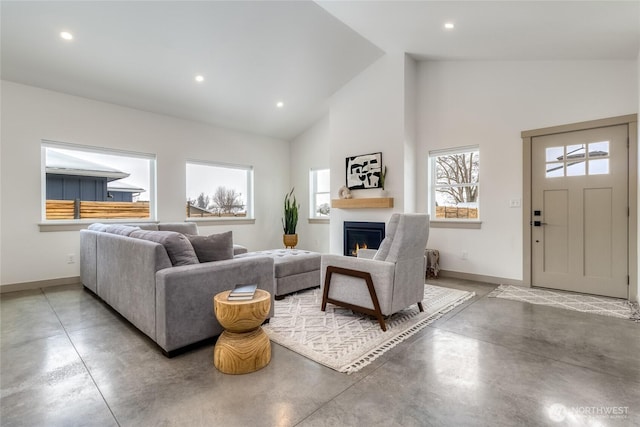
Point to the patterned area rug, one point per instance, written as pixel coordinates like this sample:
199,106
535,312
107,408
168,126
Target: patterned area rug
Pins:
347,341
572,301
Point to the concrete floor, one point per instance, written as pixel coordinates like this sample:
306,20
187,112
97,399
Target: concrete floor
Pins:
68,360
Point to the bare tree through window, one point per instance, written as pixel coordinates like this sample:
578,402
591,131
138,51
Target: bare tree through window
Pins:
227,200
219,190
456,186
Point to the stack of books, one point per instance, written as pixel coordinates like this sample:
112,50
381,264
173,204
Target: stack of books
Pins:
242,292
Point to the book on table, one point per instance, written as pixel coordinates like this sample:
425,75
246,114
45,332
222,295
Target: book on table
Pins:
242,292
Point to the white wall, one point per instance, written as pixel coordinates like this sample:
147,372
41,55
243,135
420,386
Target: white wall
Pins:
310,150
367,116
635,296
489,104
31,114
410,133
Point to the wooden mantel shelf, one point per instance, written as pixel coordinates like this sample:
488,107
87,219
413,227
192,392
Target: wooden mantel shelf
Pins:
374,202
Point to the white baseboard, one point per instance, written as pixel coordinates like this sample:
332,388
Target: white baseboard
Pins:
480,278
25,286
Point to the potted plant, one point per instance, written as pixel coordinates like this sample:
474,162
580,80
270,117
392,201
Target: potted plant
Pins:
290,220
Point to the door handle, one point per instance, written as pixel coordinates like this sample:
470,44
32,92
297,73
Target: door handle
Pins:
538,223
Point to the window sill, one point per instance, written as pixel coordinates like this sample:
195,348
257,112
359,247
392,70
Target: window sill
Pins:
222,221
318,220
453,223
76,225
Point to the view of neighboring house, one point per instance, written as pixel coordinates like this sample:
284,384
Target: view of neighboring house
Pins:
70,181
71,178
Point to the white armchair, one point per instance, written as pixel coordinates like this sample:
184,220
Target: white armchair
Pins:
392,280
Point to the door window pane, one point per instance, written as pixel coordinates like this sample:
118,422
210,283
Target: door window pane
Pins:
554,153
599,149
576,168
599,167
555,170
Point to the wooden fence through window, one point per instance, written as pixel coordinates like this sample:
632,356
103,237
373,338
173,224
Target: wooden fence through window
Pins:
80,209
455,212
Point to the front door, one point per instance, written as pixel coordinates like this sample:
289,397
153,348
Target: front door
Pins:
580,211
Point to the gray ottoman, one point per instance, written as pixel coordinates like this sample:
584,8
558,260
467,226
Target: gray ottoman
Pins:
295,269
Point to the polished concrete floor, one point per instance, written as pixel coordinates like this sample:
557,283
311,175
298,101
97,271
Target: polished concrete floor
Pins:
68,360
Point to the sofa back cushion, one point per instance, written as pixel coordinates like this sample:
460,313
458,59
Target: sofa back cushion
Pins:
97,226
177,245
148,226
179,227
120,229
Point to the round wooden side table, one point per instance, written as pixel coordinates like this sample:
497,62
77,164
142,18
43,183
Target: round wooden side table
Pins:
243,347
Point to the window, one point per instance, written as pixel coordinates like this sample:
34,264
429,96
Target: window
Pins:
320,197
577,160
89,183
217,190
454,191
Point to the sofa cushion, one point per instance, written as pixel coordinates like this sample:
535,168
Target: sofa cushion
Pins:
177,245
179,227
122,230
97,226
216,247
149,226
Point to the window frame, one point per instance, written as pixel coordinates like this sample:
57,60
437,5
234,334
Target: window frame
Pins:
249,169
52,224
313,191
433,187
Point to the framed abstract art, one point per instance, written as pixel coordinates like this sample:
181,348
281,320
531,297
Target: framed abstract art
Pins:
364,171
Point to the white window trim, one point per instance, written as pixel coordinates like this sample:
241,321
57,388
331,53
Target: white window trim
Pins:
450,222
250,218
73,224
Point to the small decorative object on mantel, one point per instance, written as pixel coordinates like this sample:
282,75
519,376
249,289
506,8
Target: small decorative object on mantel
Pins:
344,193
290,220
364,171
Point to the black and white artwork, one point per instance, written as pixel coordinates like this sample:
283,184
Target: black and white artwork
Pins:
364,171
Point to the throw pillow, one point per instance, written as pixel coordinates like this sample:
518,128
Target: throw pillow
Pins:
177,245
215,247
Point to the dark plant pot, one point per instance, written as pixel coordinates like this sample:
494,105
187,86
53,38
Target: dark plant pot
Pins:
290,240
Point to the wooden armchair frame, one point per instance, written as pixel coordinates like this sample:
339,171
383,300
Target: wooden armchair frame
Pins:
376,312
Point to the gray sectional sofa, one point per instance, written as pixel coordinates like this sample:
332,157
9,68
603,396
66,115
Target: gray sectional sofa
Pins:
160,289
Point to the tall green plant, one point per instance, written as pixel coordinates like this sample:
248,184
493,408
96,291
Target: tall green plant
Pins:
290,220
383,177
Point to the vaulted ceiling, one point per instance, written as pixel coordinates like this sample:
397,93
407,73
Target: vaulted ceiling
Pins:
254,54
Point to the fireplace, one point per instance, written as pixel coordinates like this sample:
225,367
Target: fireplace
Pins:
362,235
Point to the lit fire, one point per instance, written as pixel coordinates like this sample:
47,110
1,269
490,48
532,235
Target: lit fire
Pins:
358,247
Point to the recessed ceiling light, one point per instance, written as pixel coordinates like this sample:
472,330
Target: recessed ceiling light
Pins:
199,78
66,35
280,104
449,25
